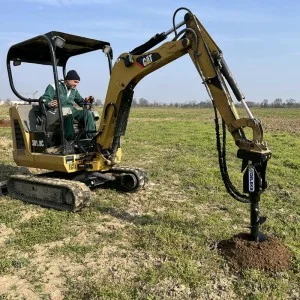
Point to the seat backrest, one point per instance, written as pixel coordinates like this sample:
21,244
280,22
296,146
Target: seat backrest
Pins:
29,115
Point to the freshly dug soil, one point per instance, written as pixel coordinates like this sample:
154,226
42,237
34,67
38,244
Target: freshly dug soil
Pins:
5,123
242,253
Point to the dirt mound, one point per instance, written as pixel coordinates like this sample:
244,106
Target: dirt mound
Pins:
5,123
242,253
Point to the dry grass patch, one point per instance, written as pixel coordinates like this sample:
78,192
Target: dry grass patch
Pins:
5,233
15,287
282,125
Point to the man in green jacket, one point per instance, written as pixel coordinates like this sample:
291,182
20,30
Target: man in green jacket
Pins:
69,95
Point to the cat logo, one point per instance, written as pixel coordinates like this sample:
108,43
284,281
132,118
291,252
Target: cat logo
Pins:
146,60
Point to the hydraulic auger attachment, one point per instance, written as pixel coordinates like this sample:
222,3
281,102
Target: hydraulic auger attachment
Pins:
254,179
254,154
254,184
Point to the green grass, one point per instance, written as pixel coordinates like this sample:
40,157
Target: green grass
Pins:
159,243
50,227
12,264
4,112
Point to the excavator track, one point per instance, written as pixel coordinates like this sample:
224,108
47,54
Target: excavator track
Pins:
52,191
136,178
60,194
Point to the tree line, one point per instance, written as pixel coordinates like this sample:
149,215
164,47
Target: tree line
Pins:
142,102
276,103
279,103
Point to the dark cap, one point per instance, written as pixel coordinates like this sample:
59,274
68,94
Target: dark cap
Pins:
72,75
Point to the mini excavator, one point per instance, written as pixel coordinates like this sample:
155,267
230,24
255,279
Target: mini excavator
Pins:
85,163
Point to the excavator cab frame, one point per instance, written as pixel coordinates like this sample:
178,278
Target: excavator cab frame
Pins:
55,49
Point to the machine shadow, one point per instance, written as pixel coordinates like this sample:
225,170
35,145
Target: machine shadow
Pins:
128,217
7,170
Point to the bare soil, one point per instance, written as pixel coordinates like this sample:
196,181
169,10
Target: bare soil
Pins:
242,253
273,124
4,123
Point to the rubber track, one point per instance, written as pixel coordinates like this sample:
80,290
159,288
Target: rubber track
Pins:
140,175
79,192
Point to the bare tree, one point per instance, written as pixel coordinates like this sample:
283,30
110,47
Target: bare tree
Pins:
290,102
98,102
278,102
7,101
134,102
264,103
251,103
143,102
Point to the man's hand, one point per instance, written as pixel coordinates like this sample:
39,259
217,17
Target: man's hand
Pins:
53,103
88,102
89,99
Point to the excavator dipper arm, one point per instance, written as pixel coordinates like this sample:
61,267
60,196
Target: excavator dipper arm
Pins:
208,59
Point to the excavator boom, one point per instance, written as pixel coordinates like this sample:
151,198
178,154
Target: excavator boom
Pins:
208,59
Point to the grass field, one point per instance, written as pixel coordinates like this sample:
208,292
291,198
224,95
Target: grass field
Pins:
158,243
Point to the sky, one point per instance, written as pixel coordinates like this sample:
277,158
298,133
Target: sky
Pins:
260,40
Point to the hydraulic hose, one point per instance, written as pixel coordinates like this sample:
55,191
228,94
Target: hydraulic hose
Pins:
174,16
231,189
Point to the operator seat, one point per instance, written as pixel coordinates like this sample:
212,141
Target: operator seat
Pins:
50,124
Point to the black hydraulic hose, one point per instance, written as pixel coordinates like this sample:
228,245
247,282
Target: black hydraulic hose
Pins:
233,188
174,15
184,31
223,165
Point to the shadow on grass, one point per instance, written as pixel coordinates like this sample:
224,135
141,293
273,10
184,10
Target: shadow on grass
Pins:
125,216
168,221
7,170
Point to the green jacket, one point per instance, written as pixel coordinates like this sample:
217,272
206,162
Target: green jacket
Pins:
67,97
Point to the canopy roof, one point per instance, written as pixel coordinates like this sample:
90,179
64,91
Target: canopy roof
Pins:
36,50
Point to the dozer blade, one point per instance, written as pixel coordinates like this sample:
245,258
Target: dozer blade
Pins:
54,193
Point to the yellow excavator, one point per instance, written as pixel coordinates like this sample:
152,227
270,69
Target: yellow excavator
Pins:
84,163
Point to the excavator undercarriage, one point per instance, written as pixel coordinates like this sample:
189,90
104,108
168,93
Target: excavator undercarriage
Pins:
71,192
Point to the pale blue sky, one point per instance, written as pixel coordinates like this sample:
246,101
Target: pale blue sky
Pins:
260,40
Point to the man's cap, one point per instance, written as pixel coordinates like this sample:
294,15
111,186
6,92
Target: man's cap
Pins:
72,75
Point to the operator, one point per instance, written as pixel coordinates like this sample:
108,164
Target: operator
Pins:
69,95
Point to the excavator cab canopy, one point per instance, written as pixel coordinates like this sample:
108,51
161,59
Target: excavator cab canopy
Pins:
52,48
37,50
